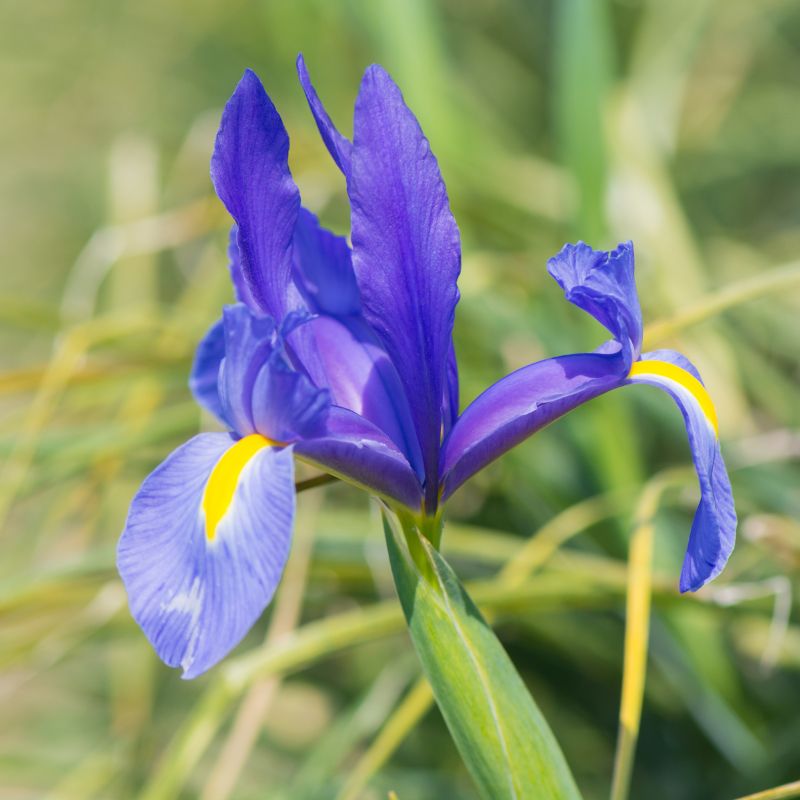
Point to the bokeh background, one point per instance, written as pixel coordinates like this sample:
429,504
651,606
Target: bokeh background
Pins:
674,124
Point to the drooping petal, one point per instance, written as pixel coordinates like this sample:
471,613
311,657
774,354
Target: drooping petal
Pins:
359,452
522,403
603,284
204,546
251,175
714,527
204,378
338,146
406,251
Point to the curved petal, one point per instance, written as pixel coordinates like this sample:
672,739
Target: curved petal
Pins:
344,356
519,405
338,146
357,451
250,172
204,377
338,349
249,340
196,589
258,389
603,284
714,527
406,252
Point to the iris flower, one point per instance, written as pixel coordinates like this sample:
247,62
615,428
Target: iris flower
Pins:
341,355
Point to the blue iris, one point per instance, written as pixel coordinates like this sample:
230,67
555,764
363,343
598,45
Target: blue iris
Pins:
343,357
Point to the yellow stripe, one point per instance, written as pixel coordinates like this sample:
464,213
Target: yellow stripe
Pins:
663,369
222,482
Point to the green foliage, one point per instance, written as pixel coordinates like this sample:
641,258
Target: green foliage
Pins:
501,734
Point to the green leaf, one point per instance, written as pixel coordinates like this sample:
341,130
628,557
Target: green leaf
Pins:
500,733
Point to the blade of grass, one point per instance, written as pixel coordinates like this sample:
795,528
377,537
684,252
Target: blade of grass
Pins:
637,625
715,303
776,793
404,719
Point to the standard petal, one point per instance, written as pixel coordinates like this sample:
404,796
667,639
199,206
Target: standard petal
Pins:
602,284
338,349
194,588
407,253
204,378
251,175
241,290
323,269
714,527
519,405
359,452
338,146
450,401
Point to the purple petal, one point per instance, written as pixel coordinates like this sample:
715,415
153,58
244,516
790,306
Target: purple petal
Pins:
519,405
249,341
195,597
259,391
323,269
450,402
286,405
251,175
714,527
204,377
357,451
344,356
602,284
338,146
406,252
241,290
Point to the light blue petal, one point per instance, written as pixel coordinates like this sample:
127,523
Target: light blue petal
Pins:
195,598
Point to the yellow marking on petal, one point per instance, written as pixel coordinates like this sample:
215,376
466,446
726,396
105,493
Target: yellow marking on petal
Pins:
222,482
663,369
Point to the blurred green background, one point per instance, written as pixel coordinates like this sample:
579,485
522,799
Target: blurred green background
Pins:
673,123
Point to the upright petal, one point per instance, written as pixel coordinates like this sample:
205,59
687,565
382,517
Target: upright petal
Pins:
241,289
602,284
354,449
323,269
338,146
205,544
251,175
714,527
406,252
450,404
519,405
